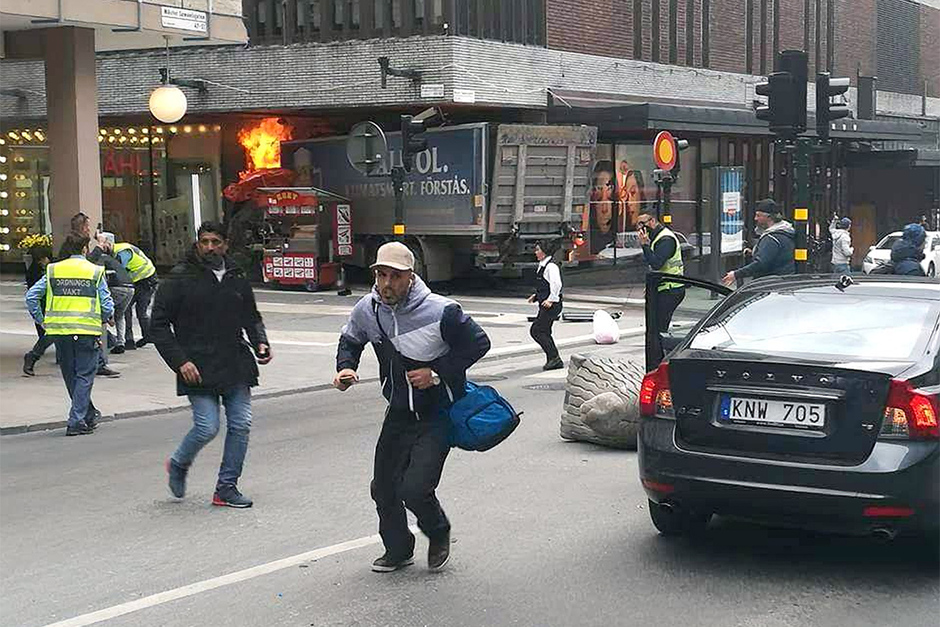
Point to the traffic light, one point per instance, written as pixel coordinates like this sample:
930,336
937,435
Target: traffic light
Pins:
785,90
412,139
826,111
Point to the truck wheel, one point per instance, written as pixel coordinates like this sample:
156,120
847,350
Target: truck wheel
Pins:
421,268
671,521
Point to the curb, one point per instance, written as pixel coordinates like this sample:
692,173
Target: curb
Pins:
494,355
605,300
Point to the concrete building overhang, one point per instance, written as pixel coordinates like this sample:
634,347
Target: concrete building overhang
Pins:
118,25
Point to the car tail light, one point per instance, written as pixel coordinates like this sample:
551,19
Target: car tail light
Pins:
655,395
910,414
880,511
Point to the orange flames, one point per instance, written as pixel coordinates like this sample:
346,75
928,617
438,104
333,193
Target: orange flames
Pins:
262,144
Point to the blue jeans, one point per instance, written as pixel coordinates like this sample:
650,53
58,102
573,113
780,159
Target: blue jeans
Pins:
78,360
841,268
206,420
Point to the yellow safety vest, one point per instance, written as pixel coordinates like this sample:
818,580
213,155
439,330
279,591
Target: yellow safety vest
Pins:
72,303
673,265
139,267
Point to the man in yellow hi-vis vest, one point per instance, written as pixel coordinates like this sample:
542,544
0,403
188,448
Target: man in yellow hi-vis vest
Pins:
144,275
77,301
661,250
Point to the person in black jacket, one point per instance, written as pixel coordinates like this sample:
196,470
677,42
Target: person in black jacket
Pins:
773,255
424,343
200,317
41,257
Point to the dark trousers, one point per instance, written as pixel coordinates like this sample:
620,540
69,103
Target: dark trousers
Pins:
45,341
667,302
143,294
409,459
78,360
541,330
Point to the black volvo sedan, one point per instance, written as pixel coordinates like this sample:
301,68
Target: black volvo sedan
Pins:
806,401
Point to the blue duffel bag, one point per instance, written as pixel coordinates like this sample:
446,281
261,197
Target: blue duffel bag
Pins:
481,419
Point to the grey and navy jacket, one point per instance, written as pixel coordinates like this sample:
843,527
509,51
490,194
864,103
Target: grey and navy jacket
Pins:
423,331
773,254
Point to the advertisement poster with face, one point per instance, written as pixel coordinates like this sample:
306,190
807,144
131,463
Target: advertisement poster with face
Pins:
623,188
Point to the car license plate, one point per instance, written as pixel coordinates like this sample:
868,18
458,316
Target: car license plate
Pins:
772,412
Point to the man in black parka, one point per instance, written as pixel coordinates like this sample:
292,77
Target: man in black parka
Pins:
201,315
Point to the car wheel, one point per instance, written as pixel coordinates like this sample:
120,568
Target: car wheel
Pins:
672,521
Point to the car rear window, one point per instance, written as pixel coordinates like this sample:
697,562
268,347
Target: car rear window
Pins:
815,323
888,242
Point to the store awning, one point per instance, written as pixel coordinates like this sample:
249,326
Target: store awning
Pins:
613,113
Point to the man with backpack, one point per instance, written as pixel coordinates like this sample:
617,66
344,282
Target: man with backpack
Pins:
425,344
773,255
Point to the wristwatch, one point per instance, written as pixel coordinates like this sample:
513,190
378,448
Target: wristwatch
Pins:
435,379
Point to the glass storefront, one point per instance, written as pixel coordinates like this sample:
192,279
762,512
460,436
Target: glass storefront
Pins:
158,183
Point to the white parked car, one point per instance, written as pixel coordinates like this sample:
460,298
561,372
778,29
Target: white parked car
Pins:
880,253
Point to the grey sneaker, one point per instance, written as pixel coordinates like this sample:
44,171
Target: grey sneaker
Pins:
177,478
229,496
386,564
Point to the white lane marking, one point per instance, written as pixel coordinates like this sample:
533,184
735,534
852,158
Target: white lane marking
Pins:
216,582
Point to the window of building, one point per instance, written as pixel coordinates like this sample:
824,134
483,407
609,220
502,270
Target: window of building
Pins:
338,13
419,12
378,13
354,16
308,15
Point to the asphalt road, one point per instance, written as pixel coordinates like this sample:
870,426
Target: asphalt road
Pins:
546,532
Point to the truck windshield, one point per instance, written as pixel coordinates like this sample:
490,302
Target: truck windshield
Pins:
828,325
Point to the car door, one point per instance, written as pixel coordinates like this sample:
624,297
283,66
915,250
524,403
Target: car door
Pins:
697,301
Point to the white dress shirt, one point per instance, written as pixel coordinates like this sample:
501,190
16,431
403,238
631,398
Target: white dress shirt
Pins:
553,275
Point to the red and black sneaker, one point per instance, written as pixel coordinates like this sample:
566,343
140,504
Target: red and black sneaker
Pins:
229,496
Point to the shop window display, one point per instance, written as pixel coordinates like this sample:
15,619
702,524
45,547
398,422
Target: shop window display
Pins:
154,180
622,188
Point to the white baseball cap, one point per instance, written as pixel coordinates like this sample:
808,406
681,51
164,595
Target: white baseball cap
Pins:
394,255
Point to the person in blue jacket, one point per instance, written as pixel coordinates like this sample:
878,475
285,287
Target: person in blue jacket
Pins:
908,252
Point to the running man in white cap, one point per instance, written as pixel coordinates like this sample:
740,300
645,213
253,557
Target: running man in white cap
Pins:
424,343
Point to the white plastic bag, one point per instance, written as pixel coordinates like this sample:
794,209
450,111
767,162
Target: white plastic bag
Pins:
606,330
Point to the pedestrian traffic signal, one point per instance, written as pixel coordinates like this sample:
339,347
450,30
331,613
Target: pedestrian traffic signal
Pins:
826,111
412,139
786,95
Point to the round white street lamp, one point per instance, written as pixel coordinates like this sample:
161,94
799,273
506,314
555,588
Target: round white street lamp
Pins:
168,104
